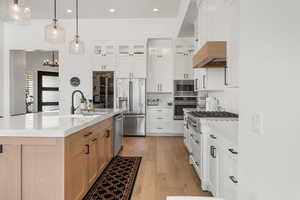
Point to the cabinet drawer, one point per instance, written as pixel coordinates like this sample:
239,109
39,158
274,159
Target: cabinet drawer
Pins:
160,111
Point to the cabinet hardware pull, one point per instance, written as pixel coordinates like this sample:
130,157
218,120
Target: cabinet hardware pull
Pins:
107,133
88,134
197,141
225,76
1,148
94,140
233,179
233,151
213,137
204,81
213,151
196,84
88,149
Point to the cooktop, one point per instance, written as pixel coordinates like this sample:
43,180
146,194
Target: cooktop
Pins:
213,114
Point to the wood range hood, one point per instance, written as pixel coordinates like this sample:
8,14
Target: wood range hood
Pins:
211,55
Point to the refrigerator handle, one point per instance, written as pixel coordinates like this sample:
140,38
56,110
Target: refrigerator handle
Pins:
130,96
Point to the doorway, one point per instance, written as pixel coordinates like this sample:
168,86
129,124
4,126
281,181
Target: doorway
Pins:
48,91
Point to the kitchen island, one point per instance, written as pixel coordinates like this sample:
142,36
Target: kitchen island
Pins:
53,157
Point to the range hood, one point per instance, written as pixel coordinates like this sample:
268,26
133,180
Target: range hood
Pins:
211,55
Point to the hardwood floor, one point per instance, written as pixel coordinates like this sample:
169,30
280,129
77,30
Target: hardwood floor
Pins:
164,170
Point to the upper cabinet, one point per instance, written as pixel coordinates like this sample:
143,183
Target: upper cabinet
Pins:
184,50
104,56
126,58
131,60
160,66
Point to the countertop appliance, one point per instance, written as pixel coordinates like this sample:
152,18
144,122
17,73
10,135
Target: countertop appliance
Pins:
181,103
118,134
184,88
103,89
131,97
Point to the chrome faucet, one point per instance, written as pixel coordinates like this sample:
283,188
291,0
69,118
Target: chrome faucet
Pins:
73,109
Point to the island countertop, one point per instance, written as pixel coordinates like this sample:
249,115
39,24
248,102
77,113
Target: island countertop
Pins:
50,124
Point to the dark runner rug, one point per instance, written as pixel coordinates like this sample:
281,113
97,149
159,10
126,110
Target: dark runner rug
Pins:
116,181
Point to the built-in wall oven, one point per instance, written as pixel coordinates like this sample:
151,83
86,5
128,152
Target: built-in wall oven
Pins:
181,103
184,88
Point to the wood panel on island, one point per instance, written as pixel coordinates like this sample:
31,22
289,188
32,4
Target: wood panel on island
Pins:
64,168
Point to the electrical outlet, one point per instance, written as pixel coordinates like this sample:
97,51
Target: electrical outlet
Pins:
257,123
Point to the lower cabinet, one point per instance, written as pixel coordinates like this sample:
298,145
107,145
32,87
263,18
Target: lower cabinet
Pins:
87,153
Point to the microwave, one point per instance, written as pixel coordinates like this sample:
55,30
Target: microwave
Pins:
184,88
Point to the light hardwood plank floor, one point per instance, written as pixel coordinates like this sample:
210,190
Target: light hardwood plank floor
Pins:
164,170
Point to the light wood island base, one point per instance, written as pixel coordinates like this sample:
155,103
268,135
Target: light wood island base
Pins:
54,168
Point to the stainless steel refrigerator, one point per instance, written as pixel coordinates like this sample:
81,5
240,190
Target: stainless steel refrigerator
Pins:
131,97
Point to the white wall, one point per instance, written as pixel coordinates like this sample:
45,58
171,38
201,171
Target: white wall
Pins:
1,67
32,37
270,47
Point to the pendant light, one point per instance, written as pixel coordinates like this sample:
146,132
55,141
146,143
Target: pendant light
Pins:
18,12
54,33
51,63
76,45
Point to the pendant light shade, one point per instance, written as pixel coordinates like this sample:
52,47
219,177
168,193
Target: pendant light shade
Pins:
18,12
77,46
54,33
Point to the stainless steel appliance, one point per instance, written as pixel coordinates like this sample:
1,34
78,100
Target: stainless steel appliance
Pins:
103,89
131,97
184,88
118,134
183,102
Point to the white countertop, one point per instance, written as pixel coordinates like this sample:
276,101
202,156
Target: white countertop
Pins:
50,124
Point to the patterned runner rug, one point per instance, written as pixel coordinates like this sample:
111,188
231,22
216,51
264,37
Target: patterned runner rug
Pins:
116,181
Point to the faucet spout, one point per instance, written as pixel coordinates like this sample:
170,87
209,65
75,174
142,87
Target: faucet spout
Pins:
73,109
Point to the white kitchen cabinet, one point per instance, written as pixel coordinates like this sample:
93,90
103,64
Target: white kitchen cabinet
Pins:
160,123
228,177
131,61
104,56
183,67
209,79
213,163
160,67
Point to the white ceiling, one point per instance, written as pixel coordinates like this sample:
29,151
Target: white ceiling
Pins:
42,9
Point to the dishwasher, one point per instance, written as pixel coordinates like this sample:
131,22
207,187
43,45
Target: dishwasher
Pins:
118,134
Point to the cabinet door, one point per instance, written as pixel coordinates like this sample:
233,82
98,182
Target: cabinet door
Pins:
92,161
139,66
101,150
77,166
213,159
10,172
108,144
228,177
124,67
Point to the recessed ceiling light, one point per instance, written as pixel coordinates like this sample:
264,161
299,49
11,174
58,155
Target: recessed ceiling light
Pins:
155,9
112,10
69,11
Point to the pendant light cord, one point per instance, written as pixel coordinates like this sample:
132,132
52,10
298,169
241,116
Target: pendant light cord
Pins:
16,2
55,19
77,35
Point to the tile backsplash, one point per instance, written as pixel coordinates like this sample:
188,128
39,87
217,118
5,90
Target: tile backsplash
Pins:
229,99
161,99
